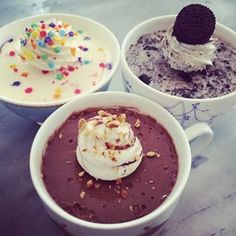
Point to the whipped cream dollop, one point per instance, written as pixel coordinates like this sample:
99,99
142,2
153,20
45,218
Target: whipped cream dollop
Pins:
50,44
187,57
107,148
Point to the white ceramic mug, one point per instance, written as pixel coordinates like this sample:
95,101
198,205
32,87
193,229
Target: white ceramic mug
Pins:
39,111
201,133
187,111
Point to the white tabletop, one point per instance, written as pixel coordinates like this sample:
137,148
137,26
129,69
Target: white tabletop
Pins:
208,204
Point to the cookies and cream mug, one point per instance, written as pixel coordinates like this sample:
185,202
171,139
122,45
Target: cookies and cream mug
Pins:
186,110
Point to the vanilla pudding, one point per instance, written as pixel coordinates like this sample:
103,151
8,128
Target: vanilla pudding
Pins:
51,61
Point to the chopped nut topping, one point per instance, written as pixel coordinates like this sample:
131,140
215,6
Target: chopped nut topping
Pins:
124,193
113,124
121,118
103,113
153,154
118,140
82,194
119,181
81,173
131,208
82,123
97,185
117,186
110,146
137,123
98,123
60,136
113,159
89,183
117,191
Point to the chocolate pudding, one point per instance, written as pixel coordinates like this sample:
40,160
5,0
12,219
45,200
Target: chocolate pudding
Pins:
146,60
121,200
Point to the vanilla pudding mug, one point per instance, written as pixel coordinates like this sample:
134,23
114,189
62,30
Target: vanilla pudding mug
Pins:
199,134
186,110
39,109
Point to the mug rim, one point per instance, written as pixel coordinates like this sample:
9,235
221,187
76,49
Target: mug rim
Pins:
102,83
73,106
148,88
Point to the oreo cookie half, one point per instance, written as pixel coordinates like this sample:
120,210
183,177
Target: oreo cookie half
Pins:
194,24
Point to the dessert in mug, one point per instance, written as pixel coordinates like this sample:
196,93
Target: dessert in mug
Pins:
51,61
186,59
110,164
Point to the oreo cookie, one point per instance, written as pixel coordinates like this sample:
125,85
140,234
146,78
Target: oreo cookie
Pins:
194,24
146,79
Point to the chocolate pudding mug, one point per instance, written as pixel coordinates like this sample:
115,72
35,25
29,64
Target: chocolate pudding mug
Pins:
199,135
186,110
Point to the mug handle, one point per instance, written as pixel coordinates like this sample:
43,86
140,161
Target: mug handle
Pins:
199,136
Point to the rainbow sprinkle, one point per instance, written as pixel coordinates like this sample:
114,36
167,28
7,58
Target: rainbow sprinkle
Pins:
49,36
46,45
